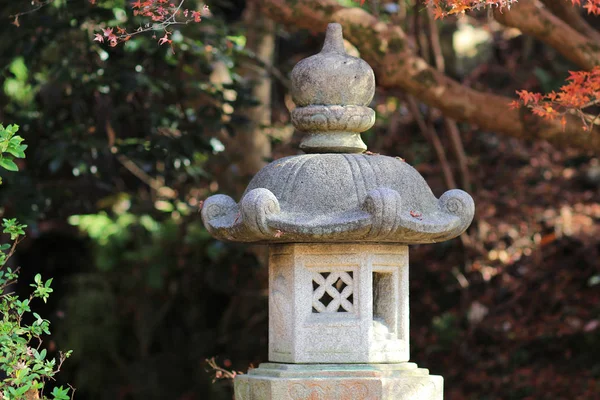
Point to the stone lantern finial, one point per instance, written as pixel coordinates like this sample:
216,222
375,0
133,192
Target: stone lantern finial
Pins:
334,40
332,91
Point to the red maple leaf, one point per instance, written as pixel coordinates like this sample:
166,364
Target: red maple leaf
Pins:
416,214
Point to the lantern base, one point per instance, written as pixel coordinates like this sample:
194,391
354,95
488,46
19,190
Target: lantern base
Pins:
402,381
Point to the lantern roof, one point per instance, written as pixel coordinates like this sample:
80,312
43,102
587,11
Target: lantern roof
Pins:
336,192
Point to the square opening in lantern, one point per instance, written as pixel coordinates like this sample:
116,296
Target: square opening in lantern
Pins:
384,304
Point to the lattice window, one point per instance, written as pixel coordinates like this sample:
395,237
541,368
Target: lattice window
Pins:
333,292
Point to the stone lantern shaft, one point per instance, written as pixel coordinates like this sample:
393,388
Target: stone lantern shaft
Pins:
338,223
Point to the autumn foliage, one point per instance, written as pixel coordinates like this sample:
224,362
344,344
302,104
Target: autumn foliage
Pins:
448,7
160,13
581,90
578,94
592,6
442,8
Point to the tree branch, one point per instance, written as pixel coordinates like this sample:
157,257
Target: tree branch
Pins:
387,50
434,139
533,18
451,125
39,5
572,16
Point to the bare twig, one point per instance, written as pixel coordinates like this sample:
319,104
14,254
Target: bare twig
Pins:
138,172
72,391
12,250
433,138
459,151
427,128
221,373
270,68
434,38
451,125
40,5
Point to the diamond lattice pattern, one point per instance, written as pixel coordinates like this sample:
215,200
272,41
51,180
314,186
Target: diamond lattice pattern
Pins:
333,292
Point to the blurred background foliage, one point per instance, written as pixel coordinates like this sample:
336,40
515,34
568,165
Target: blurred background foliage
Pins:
122,149
125,143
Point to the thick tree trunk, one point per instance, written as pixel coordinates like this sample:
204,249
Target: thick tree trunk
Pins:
252,143
572,16
396,65
533,18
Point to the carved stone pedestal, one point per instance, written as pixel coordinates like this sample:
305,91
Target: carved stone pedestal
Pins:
402,381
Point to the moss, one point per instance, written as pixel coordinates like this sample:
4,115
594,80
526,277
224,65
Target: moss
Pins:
426,78
327,9
548,25
592,51
396,45
366,42
592,46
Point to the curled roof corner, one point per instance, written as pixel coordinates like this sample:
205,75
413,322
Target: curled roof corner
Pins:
334,193
339,198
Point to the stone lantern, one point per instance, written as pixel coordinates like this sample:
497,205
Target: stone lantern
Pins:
338,222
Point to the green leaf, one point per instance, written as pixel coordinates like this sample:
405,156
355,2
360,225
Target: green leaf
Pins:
16,151
8,164
23,389
60,393
12,128
16,140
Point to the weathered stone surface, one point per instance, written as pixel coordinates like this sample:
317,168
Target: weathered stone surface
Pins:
333,129
333,118
332,90
402,381
339,198
333,77
338,303
338,226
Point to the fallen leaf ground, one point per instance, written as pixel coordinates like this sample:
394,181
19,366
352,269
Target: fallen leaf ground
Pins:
517,309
